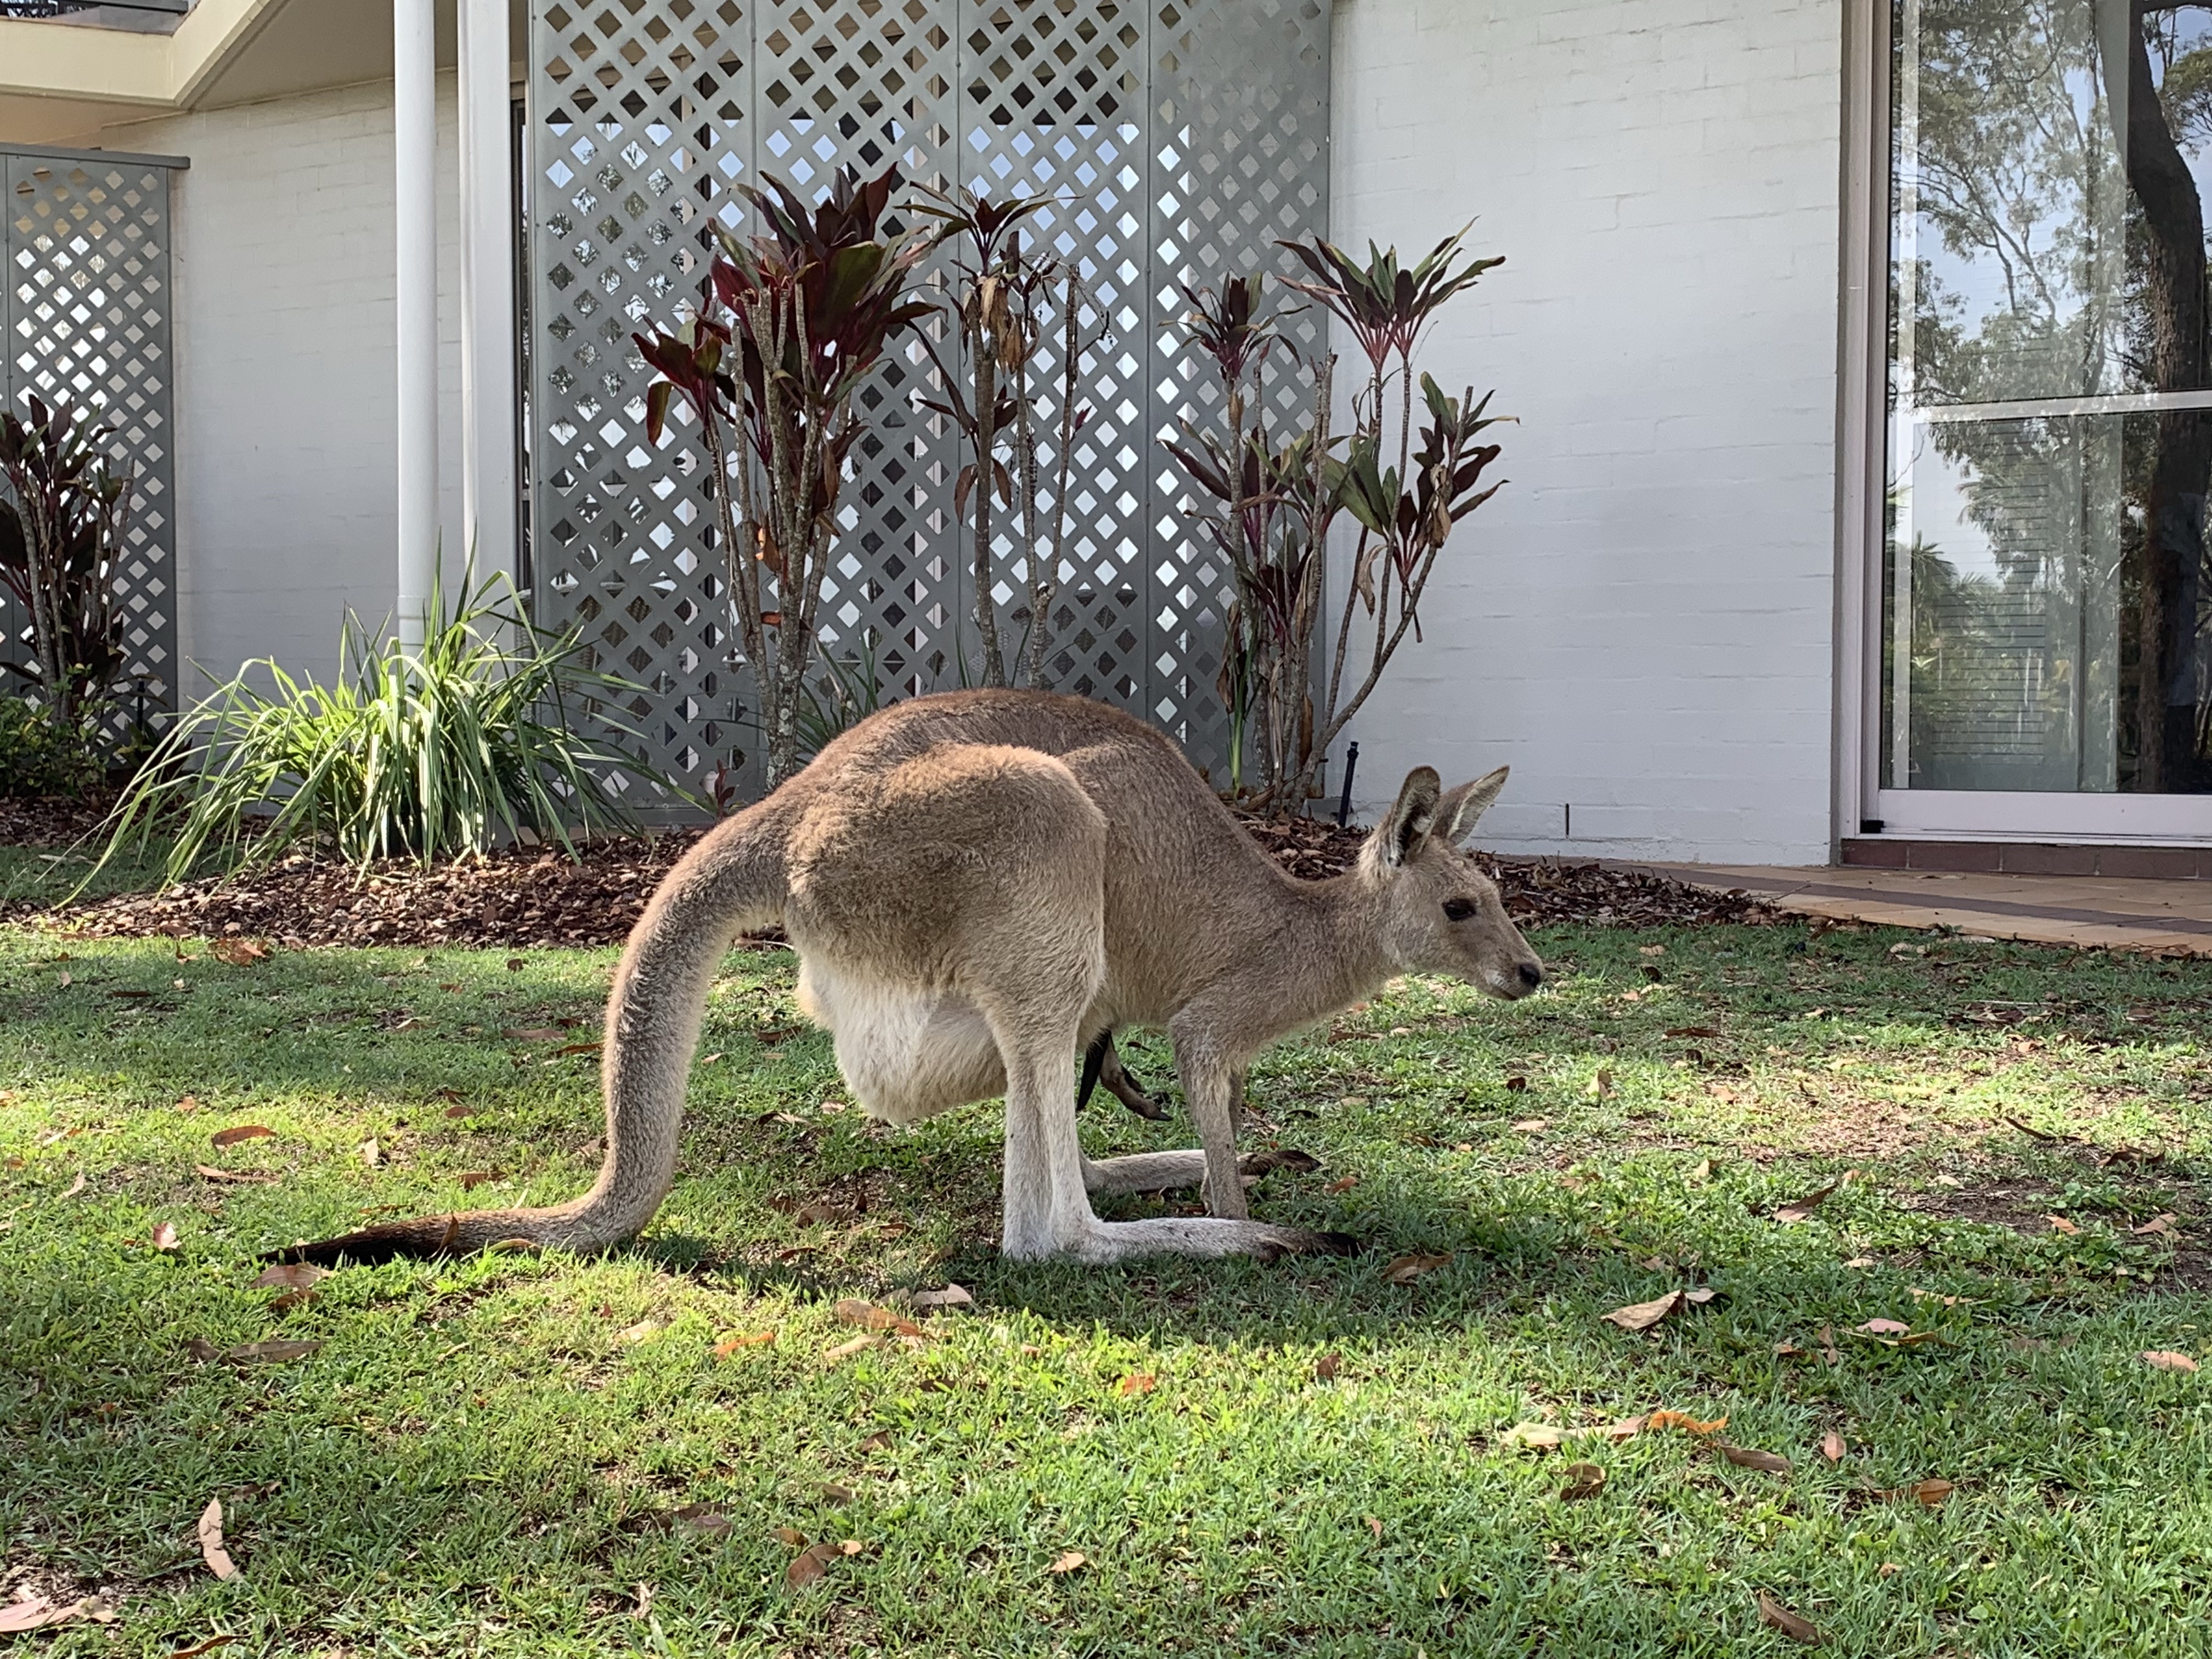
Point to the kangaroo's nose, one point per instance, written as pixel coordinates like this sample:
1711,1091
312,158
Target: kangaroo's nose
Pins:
1531,975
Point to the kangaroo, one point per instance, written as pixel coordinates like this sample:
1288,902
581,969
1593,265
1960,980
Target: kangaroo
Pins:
978,885
1102,1063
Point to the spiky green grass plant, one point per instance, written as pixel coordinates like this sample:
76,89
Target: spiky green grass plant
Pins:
425,752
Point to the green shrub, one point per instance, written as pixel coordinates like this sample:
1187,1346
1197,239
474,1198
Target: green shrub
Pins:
42,755
428,752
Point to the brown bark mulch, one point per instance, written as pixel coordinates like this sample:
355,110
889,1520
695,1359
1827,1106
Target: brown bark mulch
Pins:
532,896
50,822
1538,892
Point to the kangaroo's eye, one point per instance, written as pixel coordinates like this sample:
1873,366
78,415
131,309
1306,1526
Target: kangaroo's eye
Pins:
1458,909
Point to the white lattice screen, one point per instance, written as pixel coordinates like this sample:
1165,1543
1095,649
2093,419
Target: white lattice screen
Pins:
85,314
1179,141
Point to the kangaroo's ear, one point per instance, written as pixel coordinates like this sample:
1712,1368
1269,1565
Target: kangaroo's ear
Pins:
1460,809
1412,816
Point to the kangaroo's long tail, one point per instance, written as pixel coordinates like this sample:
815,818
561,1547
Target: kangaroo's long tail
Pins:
733,880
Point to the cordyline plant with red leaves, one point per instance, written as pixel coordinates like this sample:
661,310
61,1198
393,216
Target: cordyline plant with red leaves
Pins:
794,321
63,513
1001,291
1275,499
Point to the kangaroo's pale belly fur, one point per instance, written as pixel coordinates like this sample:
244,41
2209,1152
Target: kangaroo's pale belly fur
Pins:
906,1052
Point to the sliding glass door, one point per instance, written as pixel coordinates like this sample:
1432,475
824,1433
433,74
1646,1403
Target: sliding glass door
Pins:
2045,659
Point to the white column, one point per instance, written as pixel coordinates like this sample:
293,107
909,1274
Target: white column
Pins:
488,391
415,151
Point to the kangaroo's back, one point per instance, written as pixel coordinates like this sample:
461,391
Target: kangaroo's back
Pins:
1186,890
1161,812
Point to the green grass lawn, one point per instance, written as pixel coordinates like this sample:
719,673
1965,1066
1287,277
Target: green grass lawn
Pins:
489,1456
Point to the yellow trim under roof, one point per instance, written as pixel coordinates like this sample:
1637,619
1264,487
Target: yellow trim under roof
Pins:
91,65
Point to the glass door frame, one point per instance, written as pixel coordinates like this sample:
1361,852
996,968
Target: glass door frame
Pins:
1863,805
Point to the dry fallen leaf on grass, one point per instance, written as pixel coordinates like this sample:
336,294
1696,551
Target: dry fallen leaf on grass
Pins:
198,1648
1327,1367
236,1177
1931,1493
290,1276
1583,1480
164,1237
639,1332
1747,1457
36,1613
1798,1208
834,1493
730,1345
76,1186
810,1563
1068,1561
232,1136
2162,1223
473,1179
211,1550
1341,1184
1771,1612
1405,1269
2059,1224
1137,1382
274,1353
1601,1086
703,1517
1883,1328
239,952
2165,1359
953,1296
1539,1437
1682,1420
870,1318
1831,1446
847,1350
371,1153
1532,1126
1642,1316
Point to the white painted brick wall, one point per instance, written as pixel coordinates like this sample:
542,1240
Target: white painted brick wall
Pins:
285,392
1641,622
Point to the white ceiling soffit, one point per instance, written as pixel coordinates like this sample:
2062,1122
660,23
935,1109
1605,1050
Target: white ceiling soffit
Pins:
226,52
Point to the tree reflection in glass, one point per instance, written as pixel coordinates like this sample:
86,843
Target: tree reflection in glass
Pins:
2051,441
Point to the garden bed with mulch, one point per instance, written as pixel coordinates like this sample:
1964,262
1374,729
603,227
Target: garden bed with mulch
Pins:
49,822
525,897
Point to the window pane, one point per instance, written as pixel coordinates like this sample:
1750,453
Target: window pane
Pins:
2047,624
